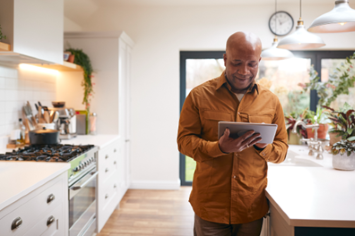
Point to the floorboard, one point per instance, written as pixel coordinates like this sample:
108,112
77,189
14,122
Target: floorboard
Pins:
152,212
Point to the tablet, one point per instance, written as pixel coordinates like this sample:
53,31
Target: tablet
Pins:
237,129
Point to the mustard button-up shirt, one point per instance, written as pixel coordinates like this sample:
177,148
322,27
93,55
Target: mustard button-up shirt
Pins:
229,188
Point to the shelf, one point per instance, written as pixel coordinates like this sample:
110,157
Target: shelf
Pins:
5,47
66,67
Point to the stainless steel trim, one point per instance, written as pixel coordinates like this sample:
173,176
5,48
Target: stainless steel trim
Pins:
79,227
91,229
77,187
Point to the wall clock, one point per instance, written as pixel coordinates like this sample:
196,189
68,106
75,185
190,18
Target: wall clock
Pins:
281,23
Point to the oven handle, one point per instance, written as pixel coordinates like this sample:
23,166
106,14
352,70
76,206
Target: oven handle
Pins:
74,188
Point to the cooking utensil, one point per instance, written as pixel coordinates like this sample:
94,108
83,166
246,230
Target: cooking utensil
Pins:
30,112
44,136
29,117
55,117
46,117
51,116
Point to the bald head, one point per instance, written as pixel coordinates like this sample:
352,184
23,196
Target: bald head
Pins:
244,40
242,60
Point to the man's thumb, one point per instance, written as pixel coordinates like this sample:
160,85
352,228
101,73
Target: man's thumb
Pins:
226,133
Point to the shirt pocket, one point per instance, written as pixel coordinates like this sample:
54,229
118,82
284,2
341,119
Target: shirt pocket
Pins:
210,121
262,118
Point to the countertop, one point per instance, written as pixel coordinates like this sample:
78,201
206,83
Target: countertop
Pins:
312,196
100,140
20,178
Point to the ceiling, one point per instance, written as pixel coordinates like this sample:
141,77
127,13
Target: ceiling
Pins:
195,2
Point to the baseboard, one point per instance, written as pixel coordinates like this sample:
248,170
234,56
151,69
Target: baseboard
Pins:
155,185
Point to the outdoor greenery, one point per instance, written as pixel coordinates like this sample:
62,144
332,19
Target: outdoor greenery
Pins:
190,166
339,83
1,35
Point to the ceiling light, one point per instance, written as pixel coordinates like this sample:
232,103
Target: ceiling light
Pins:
301,38
340,19
274,53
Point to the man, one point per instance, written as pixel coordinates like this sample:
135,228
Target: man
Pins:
228,193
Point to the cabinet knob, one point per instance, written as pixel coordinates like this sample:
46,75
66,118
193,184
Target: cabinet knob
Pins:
16,223
106,170
106,196
114,162
114,186
115,150
50,198
50,220
106,156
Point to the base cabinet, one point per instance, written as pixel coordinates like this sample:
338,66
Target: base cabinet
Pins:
43,212
112,183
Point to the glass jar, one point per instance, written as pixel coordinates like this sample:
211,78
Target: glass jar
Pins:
93,123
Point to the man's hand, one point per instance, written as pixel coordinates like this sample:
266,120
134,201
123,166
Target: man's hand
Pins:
261,145
228,144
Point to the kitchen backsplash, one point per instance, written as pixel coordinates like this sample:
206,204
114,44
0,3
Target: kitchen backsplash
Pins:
19,85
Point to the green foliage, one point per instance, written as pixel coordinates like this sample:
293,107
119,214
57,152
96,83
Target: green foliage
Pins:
83,60
339,83
1,35
343,123
343,146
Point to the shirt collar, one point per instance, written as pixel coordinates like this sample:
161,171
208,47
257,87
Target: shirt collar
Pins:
222,80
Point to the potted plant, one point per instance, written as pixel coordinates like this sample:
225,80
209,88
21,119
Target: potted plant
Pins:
294,138
320,117
343,155
343,124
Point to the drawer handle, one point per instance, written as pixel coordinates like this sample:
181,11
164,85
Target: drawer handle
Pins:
16,223
106,196
114,150
50,198
106,170
50,220
106,156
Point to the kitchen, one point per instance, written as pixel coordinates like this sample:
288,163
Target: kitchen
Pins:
154,75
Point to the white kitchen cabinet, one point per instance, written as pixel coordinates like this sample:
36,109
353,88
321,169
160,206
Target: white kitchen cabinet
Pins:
44,211
112,184
34,29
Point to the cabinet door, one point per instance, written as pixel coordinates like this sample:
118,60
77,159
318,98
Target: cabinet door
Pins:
38,29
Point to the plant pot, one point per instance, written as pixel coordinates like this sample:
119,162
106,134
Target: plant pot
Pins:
322,131
293,138
344,162
333,138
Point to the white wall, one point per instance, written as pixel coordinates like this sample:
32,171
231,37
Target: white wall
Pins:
159,34
17,86
70,25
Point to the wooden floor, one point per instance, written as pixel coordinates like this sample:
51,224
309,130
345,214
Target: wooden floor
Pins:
152,212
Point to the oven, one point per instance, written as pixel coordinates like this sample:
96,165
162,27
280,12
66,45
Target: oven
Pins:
82,204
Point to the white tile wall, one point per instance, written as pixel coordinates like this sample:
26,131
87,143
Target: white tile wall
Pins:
17,86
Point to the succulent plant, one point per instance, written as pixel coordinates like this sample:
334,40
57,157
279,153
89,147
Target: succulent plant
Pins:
343,146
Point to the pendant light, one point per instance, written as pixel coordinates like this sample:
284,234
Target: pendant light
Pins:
340,19
301,38
274,53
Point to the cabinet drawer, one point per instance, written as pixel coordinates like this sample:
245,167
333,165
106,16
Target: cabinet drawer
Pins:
50,224
32,210
110,187
108,160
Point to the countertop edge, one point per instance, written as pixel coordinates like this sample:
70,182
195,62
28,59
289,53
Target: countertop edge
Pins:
14,198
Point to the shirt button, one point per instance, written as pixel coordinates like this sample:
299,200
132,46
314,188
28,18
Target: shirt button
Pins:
238,113
234,176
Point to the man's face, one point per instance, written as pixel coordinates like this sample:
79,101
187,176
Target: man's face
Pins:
242,63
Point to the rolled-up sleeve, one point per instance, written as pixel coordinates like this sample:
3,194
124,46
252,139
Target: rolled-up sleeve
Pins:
189,138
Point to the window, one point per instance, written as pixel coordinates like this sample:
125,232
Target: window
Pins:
282,77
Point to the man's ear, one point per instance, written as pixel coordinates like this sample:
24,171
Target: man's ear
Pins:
225,59
259,59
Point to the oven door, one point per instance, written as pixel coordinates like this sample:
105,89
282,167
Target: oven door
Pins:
82,205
